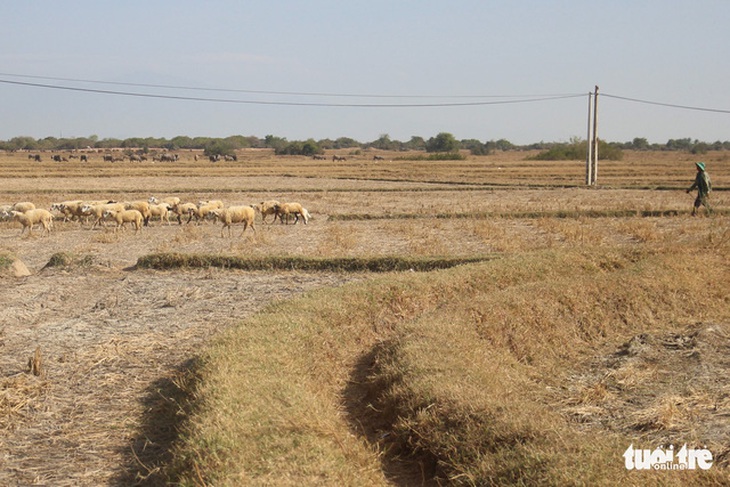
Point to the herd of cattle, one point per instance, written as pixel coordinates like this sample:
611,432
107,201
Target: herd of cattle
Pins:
114,157
166,157
141,213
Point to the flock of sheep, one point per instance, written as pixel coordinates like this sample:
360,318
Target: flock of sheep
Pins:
139,213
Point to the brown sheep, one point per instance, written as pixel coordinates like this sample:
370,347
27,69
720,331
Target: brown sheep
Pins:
126,216
98,211
143,207
267,208
184,209
296,209
236,214
31,217
23,206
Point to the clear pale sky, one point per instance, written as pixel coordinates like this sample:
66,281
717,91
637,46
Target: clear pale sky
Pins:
405,52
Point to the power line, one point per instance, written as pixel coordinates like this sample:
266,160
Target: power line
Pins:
514,99
288,103
671,105
268,92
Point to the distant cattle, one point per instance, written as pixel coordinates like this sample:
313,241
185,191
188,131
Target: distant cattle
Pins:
84,158
338,158
318,157
35,157
378,158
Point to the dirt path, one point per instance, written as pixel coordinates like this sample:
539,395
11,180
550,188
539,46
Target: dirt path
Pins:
109,341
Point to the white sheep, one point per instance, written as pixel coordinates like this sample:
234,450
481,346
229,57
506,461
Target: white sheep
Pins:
97,211
203,212
217,204
67,209
77,211
170,200
161,210
184,209
31,217
236,214
5,212
125,216
23,206
267,208
296,209
141,206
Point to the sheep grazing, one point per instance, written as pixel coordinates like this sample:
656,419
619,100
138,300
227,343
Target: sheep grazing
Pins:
170,200
183,209
236,214
31,217
23,207
97,211
267,208
69,209
77,210
203,212
296,209
5,212
161,210
141,206
216,204
125,216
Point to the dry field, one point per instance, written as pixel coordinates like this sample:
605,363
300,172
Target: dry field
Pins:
112,341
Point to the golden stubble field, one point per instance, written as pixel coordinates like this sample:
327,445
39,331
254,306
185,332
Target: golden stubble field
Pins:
109,335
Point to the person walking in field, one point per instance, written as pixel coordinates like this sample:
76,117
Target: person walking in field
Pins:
704,187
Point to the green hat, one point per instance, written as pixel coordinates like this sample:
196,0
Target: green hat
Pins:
701,165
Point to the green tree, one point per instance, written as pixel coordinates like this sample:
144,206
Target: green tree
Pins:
504,145
475,146
218,147
640,143
443,142
24,143
183,142
298,148
679,144
238,141
416,143
274,142
384,143
310,148
346,143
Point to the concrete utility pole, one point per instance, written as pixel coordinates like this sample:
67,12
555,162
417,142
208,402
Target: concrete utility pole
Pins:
592,156
589,142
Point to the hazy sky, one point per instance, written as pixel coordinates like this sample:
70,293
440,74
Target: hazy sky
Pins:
267,59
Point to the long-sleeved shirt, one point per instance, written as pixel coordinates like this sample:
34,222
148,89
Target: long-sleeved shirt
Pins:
702,184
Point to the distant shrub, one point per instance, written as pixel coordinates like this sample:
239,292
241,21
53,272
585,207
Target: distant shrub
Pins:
439,156
577,150
296,148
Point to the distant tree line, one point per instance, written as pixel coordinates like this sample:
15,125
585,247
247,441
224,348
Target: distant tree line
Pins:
442,143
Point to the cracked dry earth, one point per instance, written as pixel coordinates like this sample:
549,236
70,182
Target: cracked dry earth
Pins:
110,340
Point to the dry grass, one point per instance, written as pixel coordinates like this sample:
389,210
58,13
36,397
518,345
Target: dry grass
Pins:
555,352
450,375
